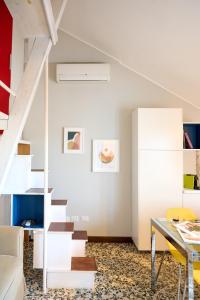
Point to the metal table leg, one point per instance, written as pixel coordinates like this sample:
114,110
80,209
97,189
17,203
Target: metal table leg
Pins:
153,259
190,280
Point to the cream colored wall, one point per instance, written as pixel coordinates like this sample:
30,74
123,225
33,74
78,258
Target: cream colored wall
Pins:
104,110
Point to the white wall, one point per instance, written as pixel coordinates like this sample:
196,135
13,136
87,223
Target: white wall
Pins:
104,110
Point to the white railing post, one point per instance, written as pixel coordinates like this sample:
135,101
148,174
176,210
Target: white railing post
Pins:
46,136
5,87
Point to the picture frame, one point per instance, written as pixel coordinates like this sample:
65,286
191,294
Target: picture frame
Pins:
105,156
73,140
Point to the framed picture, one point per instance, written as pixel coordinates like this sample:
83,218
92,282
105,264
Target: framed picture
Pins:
73,140
105,156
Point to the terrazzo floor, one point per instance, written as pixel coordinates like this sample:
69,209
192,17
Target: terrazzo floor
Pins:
123,273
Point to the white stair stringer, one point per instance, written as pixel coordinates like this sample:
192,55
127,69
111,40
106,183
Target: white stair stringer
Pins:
3,124
3,121
24,98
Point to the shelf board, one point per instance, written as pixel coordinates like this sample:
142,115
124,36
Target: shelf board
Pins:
191,149
191,123
191,191
38,227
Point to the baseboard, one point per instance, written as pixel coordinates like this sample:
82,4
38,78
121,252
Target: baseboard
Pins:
110,239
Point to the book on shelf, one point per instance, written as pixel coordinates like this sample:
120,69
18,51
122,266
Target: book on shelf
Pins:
189,231
188,142
184,141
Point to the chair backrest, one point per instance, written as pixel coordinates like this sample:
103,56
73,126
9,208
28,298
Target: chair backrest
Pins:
180,214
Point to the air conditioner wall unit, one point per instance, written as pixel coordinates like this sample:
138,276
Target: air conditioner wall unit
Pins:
82,72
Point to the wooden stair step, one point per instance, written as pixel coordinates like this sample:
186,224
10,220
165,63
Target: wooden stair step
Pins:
61,227
58,202
38,191
37,170
83,264
23,149
80,235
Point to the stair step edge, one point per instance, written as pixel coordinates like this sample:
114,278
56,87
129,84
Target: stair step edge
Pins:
61,227
38,191
80,235
59,202
24,142
83,264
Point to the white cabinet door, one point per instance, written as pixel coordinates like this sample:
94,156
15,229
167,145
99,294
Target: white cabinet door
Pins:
192,201
160,128
160,187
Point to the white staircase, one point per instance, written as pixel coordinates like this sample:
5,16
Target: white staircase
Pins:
67,265
34,20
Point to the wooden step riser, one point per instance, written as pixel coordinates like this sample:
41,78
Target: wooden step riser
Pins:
68,249
71,279
59,202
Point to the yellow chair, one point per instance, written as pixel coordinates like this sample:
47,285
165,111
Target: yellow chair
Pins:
182,214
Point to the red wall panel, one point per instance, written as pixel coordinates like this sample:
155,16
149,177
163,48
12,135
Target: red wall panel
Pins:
5,51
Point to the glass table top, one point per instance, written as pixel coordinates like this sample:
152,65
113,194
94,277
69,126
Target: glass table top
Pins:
167,227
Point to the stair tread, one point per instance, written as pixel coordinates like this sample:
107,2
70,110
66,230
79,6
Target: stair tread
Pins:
37,170
58,202
61,227
83,264
80,235
38,191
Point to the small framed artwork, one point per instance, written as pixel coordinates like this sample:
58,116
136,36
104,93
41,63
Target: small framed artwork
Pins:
73,140
105,156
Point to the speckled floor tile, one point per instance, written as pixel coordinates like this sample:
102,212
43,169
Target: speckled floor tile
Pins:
123,274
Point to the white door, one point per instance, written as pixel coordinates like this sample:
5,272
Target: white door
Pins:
160,128
160,187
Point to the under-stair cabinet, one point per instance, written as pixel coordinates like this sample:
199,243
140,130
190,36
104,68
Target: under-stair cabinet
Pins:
157,169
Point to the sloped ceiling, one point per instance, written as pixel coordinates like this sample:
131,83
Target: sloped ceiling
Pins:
159,39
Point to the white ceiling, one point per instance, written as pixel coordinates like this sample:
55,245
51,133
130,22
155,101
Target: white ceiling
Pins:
157,38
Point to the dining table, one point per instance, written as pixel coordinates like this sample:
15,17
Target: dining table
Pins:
191,252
